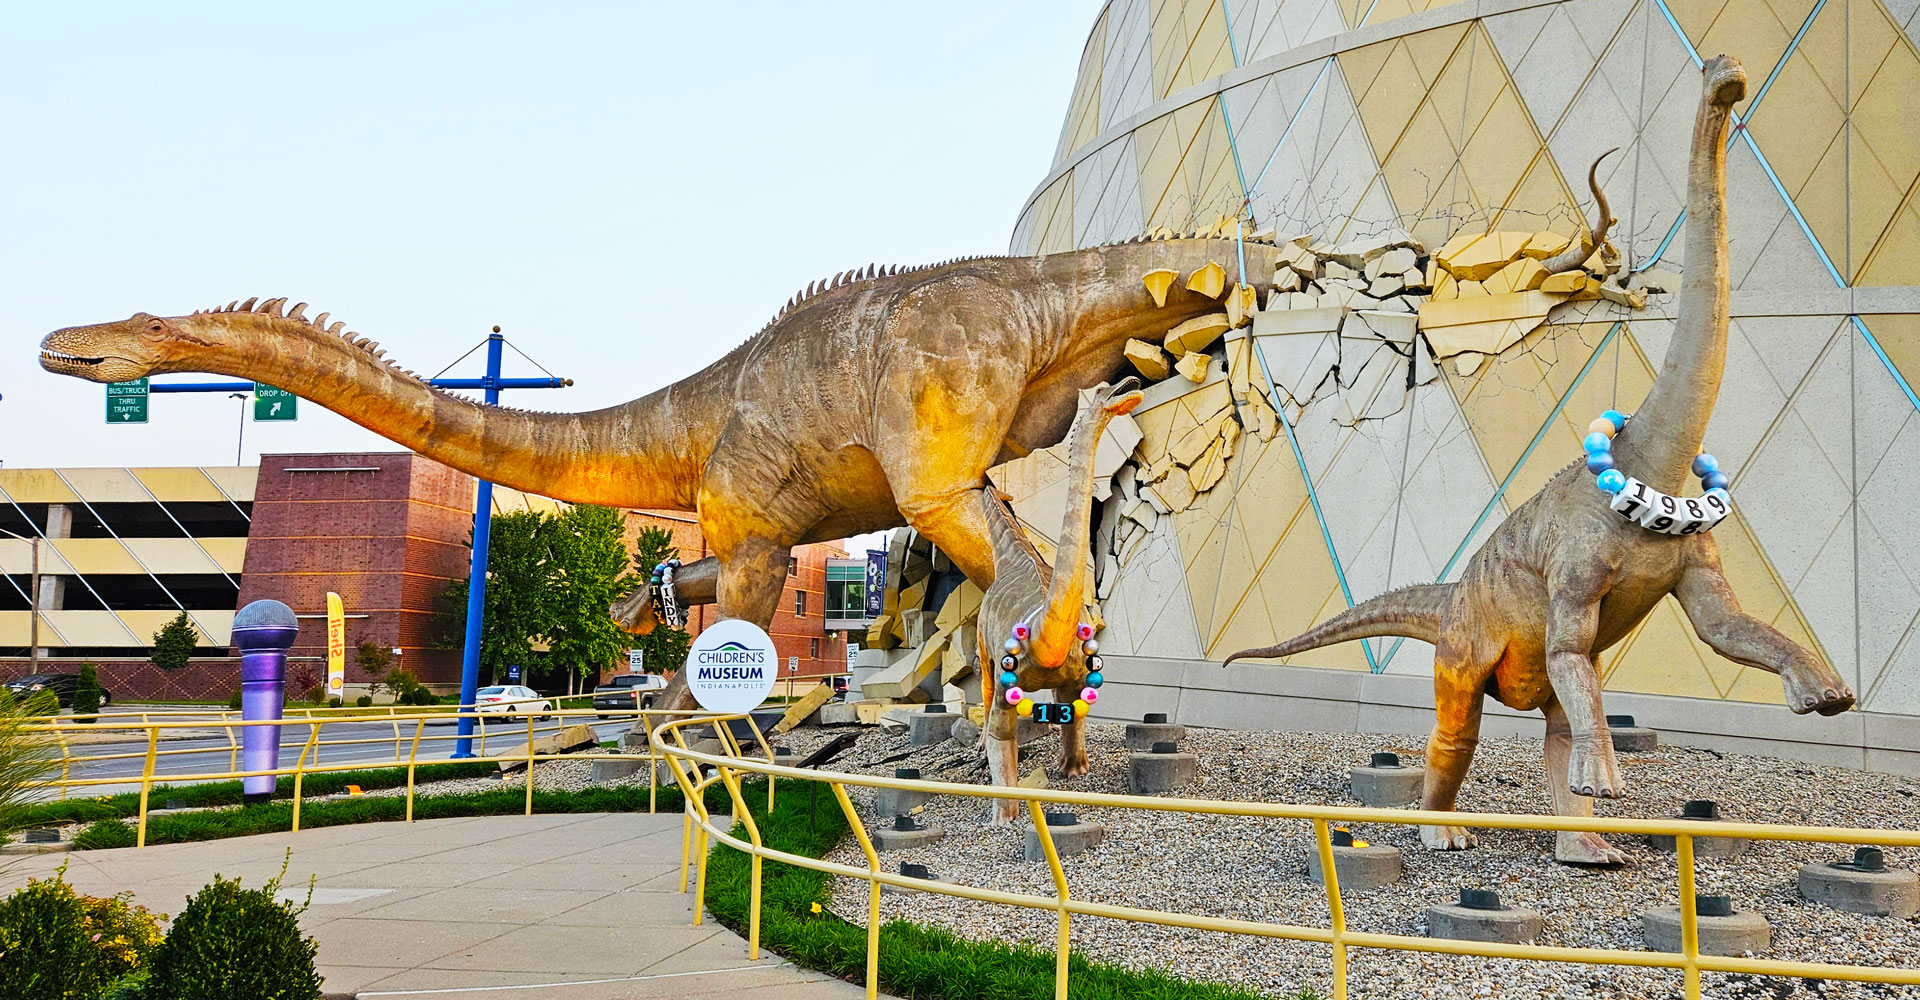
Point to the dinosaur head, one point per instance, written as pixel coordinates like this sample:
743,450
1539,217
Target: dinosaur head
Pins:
1726,80
131,348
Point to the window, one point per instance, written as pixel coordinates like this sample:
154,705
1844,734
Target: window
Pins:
800,603
813,648
793,566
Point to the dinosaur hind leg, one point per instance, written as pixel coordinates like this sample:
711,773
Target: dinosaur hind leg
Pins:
1570,846
1457,691
956,523
1073,739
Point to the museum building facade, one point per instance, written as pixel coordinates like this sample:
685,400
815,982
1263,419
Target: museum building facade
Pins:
1377,123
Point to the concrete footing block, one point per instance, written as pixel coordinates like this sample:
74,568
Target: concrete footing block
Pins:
613,770
889,839
1069,838
1482,922
1143,735
1630,738
836,713
1703,847
928,727
1153,773
1731,934
1856,888
1359,868
891,802
1386,784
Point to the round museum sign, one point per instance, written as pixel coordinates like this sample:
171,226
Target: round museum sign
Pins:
731,666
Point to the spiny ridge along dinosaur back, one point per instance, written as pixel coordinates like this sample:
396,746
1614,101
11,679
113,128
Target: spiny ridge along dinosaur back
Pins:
1564,577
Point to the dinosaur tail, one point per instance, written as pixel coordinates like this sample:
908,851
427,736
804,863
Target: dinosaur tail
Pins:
1413,612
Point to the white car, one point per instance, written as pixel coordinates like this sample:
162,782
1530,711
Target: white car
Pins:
510,699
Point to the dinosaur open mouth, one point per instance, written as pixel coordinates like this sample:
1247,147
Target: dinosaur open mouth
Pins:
71,359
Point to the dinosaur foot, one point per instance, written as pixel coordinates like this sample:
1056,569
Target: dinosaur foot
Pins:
1005,812
1593,772
1827,696
1447,838
1074,767
1581,848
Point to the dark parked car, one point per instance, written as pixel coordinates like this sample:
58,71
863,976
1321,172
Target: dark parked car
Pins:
62,686
622,692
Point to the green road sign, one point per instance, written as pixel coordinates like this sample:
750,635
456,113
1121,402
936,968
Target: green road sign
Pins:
127,402
270,403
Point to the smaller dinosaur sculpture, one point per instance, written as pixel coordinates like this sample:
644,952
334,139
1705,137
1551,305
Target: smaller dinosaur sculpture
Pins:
1565,577
1045,603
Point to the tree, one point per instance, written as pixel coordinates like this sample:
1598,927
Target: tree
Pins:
174,644
589,574
665,648
372,658
519,573
86,691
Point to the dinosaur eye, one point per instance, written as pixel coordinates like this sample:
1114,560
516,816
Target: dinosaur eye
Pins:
155,327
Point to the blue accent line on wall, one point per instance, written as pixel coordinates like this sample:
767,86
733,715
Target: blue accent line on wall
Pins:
1313,496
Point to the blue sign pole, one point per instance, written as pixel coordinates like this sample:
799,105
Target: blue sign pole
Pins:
477,575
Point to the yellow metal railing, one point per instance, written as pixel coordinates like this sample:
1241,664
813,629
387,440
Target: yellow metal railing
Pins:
690,769
152,734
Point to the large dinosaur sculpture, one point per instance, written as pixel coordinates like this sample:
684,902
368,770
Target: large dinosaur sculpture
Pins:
876,398
1046,603
1565,577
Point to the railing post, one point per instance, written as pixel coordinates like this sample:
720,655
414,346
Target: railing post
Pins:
529,765
753,834
873,888
233,745
653,773
1331,877
1689,918
299,770
412,757
146,783
1035,810
761,738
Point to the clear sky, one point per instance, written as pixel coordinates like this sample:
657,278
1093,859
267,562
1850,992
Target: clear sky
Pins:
628,189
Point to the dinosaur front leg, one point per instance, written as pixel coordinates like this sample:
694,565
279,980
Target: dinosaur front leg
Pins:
1573,618
1456,734
1073,739
1570,846
1003,757
751,575
1811,683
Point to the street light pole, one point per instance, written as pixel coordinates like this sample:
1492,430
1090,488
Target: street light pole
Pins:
239,446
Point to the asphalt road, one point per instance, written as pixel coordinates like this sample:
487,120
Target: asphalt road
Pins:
214,754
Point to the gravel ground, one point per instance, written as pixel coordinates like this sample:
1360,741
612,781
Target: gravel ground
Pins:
1255,868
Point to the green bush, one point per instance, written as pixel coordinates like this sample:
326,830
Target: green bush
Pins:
103,834
86,691
363,701
233,703
232,943
333,703
45,922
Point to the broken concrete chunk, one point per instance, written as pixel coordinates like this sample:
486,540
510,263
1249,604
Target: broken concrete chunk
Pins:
1654,282
1209,281
1395,261
1242,302
1564,283
1174,493
1286,279
1303,300
1334,270
1545,245
1193,366
1478,256
1630,299
1209,469
1518,276
1394,327
1158,281
1148,359
1196,334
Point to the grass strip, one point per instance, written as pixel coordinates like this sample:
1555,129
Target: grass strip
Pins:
276,817
916,961
227,793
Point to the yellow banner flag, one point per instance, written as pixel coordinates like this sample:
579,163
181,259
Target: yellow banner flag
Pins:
336,646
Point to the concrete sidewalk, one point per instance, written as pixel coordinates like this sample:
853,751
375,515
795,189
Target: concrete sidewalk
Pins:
577,907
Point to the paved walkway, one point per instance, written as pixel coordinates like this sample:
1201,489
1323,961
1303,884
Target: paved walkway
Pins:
574,907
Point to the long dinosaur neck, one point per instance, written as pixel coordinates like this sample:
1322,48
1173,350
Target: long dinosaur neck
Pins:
643,453
1666,433
1066,594
1109,303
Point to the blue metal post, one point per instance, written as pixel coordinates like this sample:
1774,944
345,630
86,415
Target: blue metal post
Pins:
477,578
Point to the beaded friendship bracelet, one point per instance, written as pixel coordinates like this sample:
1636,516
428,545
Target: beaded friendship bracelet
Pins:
1025,706
1646,506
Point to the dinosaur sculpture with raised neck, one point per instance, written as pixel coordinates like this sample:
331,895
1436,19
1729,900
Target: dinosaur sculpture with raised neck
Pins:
1565,577
1048,601
878,398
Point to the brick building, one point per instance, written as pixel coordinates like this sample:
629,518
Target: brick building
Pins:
121,551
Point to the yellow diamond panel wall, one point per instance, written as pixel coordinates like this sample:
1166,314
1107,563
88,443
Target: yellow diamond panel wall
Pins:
1437,121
